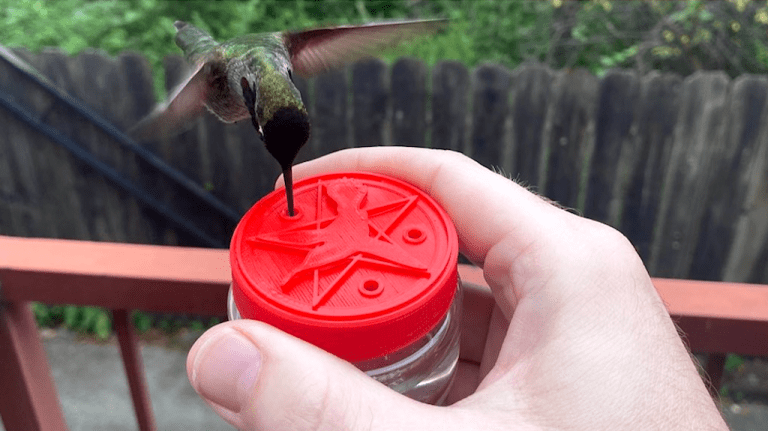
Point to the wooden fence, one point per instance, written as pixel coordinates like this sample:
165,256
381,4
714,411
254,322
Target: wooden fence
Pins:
680,166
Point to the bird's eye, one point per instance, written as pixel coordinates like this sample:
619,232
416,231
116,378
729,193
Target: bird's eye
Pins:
290,75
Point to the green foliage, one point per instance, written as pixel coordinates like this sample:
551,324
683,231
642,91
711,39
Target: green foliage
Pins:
674,36
141,321
508,32
86,320
599,34
95,321
733,363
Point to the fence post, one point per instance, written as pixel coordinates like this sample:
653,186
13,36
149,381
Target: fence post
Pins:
531,89
697,141
370,100
409,93
568,136
490,108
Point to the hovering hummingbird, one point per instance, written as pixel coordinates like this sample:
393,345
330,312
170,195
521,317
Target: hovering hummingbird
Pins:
252,76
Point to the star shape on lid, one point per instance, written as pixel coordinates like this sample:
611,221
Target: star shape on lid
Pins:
349,239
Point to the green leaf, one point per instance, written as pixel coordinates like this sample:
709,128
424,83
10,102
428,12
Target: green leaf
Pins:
141,321
733,362
102,327
71,316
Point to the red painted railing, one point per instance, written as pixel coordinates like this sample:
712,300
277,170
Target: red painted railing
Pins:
717,318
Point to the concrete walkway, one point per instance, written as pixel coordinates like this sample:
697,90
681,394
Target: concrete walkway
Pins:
94,393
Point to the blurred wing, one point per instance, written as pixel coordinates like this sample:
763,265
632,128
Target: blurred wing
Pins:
319,50
178,113
198,46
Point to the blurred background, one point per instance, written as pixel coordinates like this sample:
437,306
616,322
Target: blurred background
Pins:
649,116
675,36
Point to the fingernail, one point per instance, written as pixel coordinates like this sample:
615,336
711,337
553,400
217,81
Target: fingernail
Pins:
225,368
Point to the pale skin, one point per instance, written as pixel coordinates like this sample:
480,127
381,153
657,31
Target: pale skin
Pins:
571,336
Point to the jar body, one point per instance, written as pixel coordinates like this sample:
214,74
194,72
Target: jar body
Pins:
423,370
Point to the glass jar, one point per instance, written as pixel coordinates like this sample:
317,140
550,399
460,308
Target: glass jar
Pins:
365,269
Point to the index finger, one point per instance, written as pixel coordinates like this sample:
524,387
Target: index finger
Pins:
484,206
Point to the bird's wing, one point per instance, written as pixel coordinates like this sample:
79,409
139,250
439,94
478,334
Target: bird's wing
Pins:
178,112
197,45
318,50
187,101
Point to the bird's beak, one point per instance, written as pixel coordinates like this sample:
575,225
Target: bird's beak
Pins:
288,177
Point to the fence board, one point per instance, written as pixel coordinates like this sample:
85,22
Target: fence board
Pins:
18,184
680,167
137,91
745,108
183,152
18,212
697,144
93,73
183,149
749,253
617,101
330,128
491,86
369,103
58,212
658,105
450,82
531,90
409,94
568,136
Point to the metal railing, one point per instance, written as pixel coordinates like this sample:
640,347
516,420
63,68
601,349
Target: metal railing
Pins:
716,318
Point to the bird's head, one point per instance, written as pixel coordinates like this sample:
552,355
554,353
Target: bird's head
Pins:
278,114
285,133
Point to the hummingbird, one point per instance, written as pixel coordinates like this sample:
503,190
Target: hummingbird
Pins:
253,76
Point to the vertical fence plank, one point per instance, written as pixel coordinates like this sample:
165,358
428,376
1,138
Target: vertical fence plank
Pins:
732,173
531,90
137,91
658,106
19,213
617,101
56,175
219,157
450,101
760,270
181,151
330,127
568,135
490,108
409,93
748,258
260,170
698,141
306,88
753,227
370,97
93,72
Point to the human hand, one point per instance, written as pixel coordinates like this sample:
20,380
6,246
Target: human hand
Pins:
572,335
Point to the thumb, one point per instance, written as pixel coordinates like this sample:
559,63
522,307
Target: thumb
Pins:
259,378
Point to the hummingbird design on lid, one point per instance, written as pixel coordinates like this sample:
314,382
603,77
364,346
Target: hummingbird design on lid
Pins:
252,76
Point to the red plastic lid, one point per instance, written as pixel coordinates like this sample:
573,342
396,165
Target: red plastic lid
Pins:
366,267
